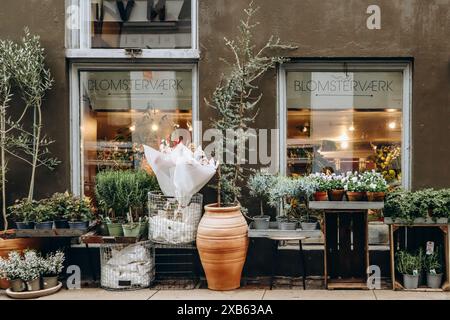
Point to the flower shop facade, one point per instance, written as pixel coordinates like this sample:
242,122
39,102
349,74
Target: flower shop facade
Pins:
351,98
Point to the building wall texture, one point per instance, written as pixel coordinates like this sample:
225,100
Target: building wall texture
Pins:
413,29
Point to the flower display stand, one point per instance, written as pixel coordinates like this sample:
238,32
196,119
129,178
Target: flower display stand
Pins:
404,236
346,255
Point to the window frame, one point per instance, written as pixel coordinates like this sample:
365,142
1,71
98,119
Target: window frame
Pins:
83,33
375,65
76,134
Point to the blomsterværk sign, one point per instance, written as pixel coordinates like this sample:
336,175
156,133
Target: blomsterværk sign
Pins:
340,90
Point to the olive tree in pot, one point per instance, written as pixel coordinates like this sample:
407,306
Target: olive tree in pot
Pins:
51,267
409,265
260,185
433,268
222,239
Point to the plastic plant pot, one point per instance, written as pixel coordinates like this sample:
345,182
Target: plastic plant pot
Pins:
49,282
25,225
434,281
79,225
47,225
115,229
410,281
61,224
261,222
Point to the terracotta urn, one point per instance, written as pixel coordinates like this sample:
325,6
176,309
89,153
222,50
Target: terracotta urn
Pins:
375,196
336,194
355,196
222,243
320,196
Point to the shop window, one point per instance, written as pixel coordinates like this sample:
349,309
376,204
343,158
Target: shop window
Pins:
124,109
145,24
341,119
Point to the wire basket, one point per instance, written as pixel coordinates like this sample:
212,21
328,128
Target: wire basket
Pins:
172,223
127,266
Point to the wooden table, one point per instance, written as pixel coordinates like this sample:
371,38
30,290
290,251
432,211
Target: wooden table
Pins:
346,256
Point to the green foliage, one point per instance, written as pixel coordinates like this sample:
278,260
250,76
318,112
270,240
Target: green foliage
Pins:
260,185
52,265
319,181
23,210
235,101
353,182
374,181
119,192
433,262
44,211
408,263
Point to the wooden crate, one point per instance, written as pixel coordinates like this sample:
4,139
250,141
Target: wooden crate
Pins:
411,237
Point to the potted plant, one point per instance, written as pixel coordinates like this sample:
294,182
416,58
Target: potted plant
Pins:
62,204
442,211
10,269
259,186
354,186
23,212
335,188
409,266
30,270
80,214
433,268
44,215
321,185
222,240
376,185
51,267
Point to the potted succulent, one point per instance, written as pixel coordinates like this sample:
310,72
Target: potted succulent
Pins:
259,186
433,268
335,188
409,266
10,268
51,267
376,185
80,214
354,186
44,215
320,182
23,213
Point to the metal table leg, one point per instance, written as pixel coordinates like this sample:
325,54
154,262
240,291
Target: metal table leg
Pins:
302,260
274,262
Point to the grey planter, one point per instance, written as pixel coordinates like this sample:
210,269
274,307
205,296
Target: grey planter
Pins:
25,225
388,220
419,220
17,285
308,226
442,220
399,220
287,225
410,281
47,225
434,281
34,285
429,220
261,222
49,282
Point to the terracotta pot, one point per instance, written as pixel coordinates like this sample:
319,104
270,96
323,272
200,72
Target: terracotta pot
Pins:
19,244
222,244
336,195
320,196
375,196
355,196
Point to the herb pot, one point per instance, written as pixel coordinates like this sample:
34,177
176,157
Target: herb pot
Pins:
34,285
320,196
388,220
429,220
336,194
442,220
308,226
434,281
79,225
355,196
419,220
47,225
61,224
375,196
222,243
410,281
49,282
131,229
115,229
261,222
24,225
287,225
17,285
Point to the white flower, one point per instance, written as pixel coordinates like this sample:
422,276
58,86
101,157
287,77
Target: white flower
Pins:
354,179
